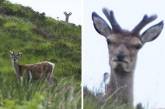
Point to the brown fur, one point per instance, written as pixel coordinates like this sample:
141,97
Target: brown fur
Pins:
38,70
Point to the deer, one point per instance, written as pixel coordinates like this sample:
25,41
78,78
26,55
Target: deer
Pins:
123,46
67,15
37,71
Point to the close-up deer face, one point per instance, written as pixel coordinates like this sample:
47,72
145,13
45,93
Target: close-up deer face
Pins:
123,50
124,45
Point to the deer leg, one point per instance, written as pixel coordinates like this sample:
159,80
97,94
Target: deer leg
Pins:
50,79
30,75
17,76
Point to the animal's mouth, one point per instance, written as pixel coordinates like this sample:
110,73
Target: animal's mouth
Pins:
120,61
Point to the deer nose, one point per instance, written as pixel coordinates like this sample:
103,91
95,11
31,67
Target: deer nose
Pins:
120,57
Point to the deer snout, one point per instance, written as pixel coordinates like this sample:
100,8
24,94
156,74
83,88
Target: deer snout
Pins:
120,56
14,59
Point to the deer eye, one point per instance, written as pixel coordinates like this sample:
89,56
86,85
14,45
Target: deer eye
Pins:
138,46
109,42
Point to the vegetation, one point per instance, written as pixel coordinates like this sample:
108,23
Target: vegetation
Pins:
97,101
39,38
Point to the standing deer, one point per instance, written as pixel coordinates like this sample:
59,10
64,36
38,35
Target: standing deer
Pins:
67,15
42,70
123,47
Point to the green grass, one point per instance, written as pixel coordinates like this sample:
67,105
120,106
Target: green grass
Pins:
39,95
92,101
39,38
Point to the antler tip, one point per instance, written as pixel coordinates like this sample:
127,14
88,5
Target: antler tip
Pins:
110,16
107,11
161,23
111,12
145,16
153,16
149,18
104,9
146,19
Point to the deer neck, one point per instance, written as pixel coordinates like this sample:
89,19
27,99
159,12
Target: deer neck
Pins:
16,68
67,17
121,86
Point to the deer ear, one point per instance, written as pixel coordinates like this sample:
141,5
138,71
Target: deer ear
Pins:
19,53
100,25
11,52
152,33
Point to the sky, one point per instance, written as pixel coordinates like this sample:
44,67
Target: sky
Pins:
56,8
149,75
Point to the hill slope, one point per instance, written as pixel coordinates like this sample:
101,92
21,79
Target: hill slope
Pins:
39,38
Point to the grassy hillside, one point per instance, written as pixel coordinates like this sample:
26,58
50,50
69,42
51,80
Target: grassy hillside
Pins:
39,38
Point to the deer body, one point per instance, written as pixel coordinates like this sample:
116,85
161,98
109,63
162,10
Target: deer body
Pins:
123,47
41,70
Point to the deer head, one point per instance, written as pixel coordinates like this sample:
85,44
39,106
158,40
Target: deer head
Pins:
68,14
15,56
124,45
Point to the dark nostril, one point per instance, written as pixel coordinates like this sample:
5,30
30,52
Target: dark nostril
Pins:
120,57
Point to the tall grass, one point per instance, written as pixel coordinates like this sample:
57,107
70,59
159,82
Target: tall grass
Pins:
64,94
97,101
